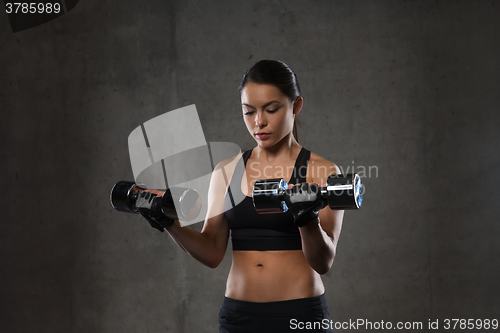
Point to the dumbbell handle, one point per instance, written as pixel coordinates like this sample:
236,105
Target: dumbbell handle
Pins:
341,192
124,196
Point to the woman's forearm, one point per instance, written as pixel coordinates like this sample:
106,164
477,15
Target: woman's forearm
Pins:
201,246
318,247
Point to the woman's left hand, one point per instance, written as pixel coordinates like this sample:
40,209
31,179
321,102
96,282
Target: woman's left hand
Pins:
304,202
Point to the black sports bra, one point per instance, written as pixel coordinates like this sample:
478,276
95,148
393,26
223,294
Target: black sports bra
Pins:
261,232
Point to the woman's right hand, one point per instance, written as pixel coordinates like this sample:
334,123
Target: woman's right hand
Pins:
149,204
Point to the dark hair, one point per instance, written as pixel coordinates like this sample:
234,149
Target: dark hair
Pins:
278,74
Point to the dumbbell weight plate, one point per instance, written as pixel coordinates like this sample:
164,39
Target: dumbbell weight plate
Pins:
186,200
344,191
124,195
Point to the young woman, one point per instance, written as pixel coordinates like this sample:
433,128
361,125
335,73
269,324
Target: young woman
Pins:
274,284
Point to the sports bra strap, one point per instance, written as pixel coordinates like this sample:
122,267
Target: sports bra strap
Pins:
300,168
246,155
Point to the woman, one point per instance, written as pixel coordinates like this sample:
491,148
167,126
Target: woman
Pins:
274,284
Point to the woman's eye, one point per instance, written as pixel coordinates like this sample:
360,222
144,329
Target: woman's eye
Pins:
272,111
248,113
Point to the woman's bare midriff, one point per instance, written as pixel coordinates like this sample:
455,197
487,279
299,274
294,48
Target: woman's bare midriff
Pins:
268,276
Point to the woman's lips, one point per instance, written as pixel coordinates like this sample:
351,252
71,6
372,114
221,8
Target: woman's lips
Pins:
262,136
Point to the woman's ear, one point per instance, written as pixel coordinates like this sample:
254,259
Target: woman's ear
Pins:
297,105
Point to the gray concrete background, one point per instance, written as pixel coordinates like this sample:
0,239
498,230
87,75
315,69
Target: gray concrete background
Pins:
411,87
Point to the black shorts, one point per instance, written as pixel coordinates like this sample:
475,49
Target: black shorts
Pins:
297,315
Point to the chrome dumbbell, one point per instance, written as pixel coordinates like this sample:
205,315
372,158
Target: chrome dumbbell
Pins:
341,192
124,195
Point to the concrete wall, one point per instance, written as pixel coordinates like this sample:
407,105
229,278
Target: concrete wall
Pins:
408,87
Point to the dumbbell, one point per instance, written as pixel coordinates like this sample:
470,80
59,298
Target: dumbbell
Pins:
341,192
124,196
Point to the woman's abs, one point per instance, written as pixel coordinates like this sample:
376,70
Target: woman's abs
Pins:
268,276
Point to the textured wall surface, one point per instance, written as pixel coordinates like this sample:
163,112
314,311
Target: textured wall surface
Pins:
410,88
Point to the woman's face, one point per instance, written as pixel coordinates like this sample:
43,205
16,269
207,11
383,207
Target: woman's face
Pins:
268,113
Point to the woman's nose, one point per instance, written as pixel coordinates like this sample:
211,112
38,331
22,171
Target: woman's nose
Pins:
260,120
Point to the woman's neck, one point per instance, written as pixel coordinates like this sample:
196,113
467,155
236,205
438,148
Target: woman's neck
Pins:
287,148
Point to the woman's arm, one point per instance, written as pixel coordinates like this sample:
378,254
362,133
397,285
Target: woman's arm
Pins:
320,236
209,245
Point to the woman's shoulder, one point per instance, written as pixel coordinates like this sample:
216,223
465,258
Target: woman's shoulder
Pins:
229,163
320,168
222,173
